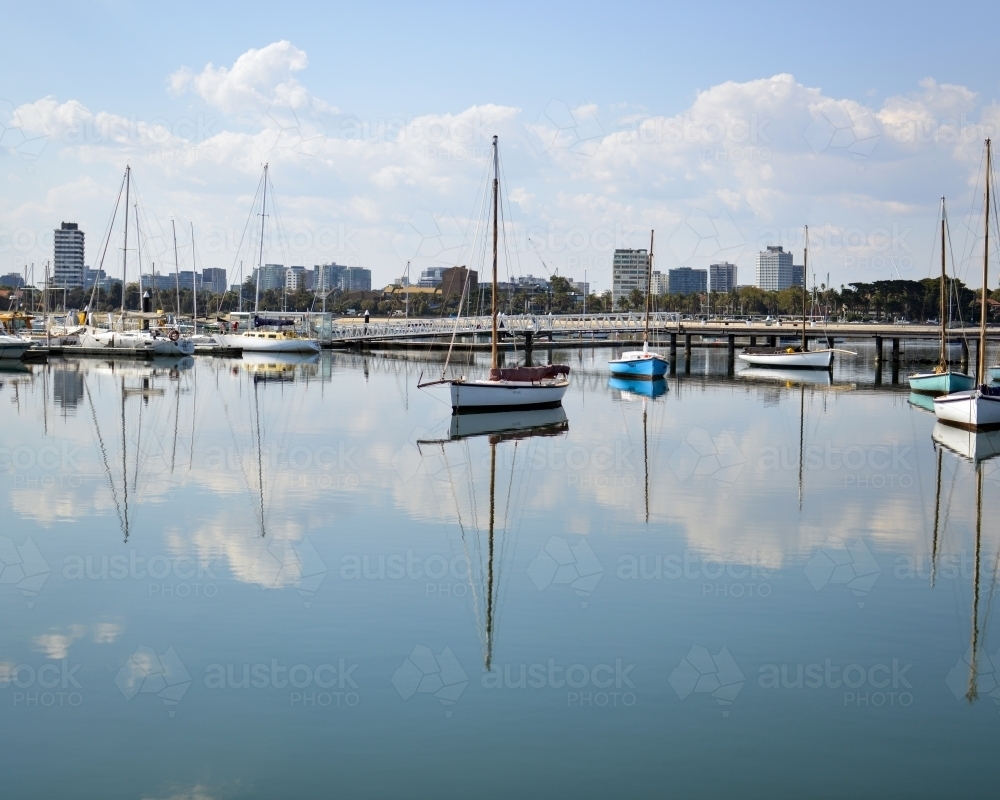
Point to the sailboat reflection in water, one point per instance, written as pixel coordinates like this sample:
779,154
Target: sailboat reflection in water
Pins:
975,671
487,544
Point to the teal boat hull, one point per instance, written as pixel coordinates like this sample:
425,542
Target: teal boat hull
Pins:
941,382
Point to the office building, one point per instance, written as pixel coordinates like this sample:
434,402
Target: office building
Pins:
356,279
774,269
658,284
685,280
628,272
722,277
12,281
68,263
270,276
454,279
213,280
798,274
580,287
326,277
431,277
295,279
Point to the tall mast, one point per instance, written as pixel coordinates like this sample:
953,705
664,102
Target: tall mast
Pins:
805,271
496,183
944,280
177,276
138,252
128,170
194,281
260,255
981,367
649,287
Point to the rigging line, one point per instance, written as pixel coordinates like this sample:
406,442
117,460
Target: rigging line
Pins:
107,241
517,254
246,227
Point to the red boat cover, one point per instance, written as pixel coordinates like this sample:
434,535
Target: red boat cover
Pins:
529,374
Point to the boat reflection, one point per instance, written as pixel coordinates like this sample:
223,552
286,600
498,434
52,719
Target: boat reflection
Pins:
278,367
924,402
634,388
789,377
513,424
968,444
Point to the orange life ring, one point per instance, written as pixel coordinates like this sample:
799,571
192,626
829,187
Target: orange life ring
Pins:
175,335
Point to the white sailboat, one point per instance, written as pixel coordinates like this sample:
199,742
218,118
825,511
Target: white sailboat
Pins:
800,357
12,348
510,388
267,335
977,408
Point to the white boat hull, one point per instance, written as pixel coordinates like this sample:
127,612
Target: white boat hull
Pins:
968,444
12,348
132,340
812,359
971,409
259,344
480,396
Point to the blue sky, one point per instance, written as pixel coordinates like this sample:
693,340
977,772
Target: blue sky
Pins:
723,127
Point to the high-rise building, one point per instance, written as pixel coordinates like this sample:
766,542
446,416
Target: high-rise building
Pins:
722,277
580,287
454,280
628,272
68,262
685,280
774,269
659,283
326,277
12,280
270,276
798,274
356,279
432,276
213,279
295,279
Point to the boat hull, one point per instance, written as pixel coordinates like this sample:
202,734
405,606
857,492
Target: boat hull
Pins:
812,359
972,409
158,345
468,397
968,444
13,348
642,367
941,382
642,388
258,344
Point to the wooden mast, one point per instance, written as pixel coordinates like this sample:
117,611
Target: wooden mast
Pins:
944,279
494,362
981,366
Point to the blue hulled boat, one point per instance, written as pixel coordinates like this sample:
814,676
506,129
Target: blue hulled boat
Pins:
941,382
639,364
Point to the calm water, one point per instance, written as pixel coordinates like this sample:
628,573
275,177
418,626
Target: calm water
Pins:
240,579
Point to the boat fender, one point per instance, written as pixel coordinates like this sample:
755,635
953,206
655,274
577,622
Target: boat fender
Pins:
175,335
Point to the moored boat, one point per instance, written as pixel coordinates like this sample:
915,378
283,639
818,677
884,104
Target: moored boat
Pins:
642,364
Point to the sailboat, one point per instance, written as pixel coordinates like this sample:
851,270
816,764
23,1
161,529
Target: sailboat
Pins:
642,363
980,407
13,347
942,380
800,357
510,388
116,336
267,335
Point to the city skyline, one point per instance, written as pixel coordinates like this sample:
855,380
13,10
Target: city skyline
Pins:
721,163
